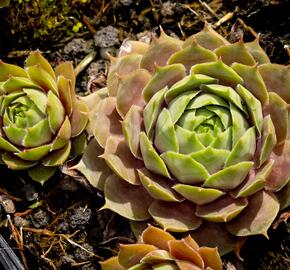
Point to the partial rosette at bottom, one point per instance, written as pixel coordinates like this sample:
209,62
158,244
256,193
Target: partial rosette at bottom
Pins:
159,250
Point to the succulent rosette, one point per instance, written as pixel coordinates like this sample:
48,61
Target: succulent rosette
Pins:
40,116
196,133
158,250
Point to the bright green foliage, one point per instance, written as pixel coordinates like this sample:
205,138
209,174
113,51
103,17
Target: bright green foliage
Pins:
39,114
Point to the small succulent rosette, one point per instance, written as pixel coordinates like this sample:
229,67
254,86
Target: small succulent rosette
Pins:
159,250
193,134
40,116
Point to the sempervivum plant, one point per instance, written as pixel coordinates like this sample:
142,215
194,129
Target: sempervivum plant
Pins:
39,116
196,133
159,250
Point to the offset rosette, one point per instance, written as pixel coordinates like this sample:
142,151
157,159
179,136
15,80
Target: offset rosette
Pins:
39,115
159,250
196,133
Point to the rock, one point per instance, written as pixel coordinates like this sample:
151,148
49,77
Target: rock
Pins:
107,37
39,219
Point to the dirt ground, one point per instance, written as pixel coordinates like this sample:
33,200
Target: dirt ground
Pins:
58,225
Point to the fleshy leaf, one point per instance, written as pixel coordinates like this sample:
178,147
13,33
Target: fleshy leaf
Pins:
124,199
130,47
188,83
15,163
151,158
255,181
214,235
18,83
66,70
262,209
185,168
244,149
92,167
130,255
79,118
176,217
41,173
188,141
35,58
163,76
111,264
277,79
8,70
121,66
229,177
280,174
157,237
235,52
165,137
212,159
253,81
66,94
132,126
34,154
152,110
198,195
159,52
191,55
130,90
182,251
57,157
210,39
278,109
218,70
106,117
223,209
257,52
158,188
211,258
119,158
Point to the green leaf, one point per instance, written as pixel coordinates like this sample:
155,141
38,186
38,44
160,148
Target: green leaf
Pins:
158,188
163,76
239,124
18,83
189,83
254,107
38,98
205,99
198,195
8,70
41,173
15,163
165,136
218,70
177,105
188,141
152,160
229,177
212,159
244,148
152,110
185,168
57,157
34,154
55,112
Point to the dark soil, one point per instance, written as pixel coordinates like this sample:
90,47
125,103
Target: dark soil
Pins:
58,225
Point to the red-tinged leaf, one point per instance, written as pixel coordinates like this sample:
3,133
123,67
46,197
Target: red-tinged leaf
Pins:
280,174
262,209
92,166
121,161
176,217
130,90
124,199
211,258
66,69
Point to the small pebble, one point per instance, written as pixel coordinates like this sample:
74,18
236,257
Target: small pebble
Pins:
107,37
83,255
7,204
39,219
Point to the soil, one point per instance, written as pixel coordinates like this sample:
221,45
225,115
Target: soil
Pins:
59,225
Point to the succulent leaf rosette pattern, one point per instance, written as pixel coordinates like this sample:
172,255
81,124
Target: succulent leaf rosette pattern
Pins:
159,250
40,115
196,135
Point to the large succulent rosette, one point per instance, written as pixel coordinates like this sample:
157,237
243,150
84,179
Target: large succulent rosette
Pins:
196,133
40,116
159,250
